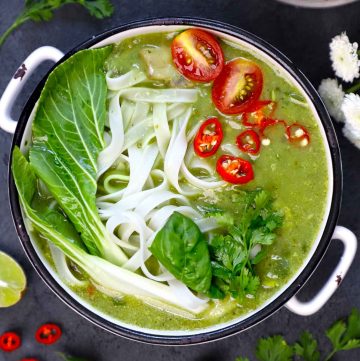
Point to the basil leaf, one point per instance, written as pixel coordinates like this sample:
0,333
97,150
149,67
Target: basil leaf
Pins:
182,249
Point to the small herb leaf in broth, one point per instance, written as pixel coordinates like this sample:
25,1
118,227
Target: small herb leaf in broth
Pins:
182,249
67,138
231,252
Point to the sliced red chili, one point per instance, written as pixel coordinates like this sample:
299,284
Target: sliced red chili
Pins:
266,123
234,170
296,133
10,341
208,139
248,141
48,334
258,113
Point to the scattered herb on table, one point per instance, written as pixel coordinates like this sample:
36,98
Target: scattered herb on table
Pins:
42,10
67,357
343,335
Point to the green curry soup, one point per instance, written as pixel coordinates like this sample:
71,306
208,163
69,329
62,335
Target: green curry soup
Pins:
295,176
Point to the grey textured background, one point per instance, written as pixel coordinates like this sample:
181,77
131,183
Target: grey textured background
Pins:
303,35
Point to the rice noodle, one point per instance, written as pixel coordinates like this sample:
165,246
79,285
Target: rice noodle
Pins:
160,95
62,267
129,79
175,154
161,127
109,155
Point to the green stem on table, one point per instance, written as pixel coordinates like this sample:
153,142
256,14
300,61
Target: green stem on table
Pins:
353,89
330,355
18,22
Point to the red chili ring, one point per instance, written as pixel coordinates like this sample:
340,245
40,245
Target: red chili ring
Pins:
48,334
10,341
208,138
234,170
248,141
293,137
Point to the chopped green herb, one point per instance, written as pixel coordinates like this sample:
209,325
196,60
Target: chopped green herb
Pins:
232,252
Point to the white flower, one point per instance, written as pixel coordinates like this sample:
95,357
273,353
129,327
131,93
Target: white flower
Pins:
332,94
351,110
343,55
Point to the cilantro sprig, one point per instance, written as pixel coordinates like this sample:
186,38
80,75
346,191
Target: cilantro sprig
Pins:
343,335
42,10
231,251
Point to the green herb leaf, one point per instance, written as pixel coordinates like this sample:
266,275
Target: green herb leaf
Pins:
307,347
274,349
242,359
43,10
345,336
182,249
256,222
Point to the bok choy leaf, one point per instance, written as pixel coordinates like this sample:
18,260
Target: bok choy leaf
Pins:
53,225
67,139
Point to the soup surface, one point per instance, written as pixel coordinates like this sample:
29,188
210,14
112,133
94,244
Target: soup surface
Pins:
289,164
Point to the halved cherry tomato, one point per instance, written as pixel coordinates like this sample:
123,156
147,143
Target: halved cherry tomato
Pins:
296,133
248,141
238,87
197,55
48,334
208,139
10,341
234,170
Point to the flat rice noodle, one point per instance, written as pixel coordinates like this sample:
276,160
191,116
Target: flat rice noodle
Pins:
176,152
156,199
62,267
199,182
160,95
185,296
126,80
130,202
137,132
141,162
127,110
161,127
109,155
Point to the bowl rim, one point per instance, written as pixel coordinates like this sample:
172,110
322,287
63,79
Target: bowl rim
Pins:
292,288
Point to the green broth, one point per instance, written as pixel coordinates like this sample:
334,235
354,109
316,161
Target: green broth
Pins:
297,178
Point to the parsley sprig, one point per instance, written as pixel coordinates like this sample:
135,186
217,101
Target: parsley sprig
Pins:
343,335
42,10
232,255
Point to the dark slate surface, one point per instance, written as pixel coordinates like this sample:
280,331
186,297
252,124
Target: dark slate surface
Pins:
303,35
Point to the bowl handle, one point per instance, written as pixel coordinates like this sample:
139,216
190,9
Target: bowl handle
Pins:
349,241
18,81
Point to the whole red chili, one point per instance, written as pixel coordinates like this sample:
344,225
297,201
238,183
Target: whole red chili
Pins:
234,170
248,141
10,341
296,133
48,334
208,139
